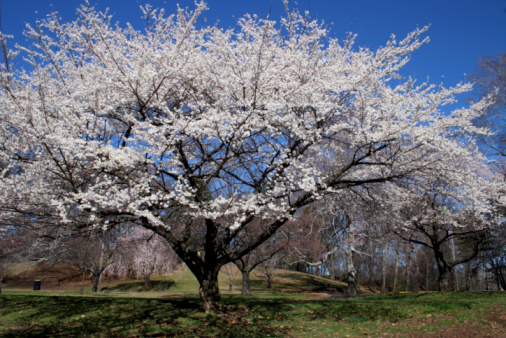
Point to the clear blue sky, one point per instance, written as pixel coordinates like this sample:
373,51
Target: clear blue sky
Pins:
461,30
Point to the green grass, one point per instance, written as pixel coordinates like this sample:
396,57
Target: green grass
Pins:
184,282
294,307
37,314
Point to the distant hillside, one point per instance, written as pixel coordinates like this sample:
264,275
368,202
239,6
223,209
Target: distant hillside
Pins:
66,278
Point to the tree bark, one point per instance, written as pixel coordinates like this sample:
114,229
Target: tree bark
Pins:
396,270
246,291
426,273
147,278
209,291
82,283
332,269
443,281
96,279
445,272
384,270
409,251
352,287
270,279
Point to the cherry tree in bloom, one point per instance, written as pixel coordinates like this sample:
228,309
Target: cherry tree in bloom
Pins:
432,215
143,255
194,131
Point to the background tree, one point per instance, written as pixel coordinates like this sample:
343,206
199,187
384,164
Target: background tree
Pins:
143,253
263,253
433,219
490,79
194,132
13,247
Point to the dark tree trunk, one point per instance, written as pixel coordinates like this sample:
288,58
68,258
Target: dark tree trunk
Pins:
82,283
443,280
445,272
270,280
409,251
147,278
96,279
384,270
332,269
426,273
396,270
209,291
352,287
246,291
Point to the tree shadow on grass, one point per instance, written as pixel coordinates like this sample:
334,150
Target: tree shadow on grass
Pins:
82,316
65,316
308,283
162,285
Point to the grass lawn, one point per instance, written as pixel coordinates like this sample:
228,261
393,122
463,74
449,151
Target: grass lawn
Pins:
449,315
288,310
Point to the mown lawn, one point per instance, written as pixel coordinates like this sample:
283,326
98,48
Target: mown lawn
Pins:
423,314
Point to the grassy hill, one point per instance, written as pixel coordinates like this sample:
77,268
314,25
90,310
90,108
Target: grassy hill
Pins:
65,279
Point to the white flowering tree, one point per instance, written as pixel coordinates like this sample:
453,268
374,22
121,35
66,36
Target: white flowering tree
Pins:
143,254
194,132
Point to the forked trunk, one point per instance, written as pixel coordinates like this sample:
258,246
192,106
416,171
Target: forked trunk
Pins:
445,272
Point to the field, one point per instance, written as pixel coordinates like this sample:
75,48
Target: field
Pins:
299,305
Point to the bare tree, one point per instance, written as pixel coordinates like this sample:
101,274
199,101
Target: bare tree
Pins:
490,79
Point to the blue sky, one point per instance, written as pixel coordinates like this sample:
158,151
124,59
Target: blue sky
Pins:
461,30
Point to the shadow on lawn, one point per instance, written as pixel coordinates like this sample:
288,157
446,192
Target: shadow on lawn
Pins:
162,285
82,316
305,283
243,316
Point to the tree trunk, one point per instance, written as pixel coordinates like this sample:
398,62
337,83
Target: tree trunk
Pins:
245,283
1,280
409,251
426,273
332,269
270,279
96,279
370,263
352,287
384,270
147,278
82,284
396,270
444,280
445,272
502,280
209,291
